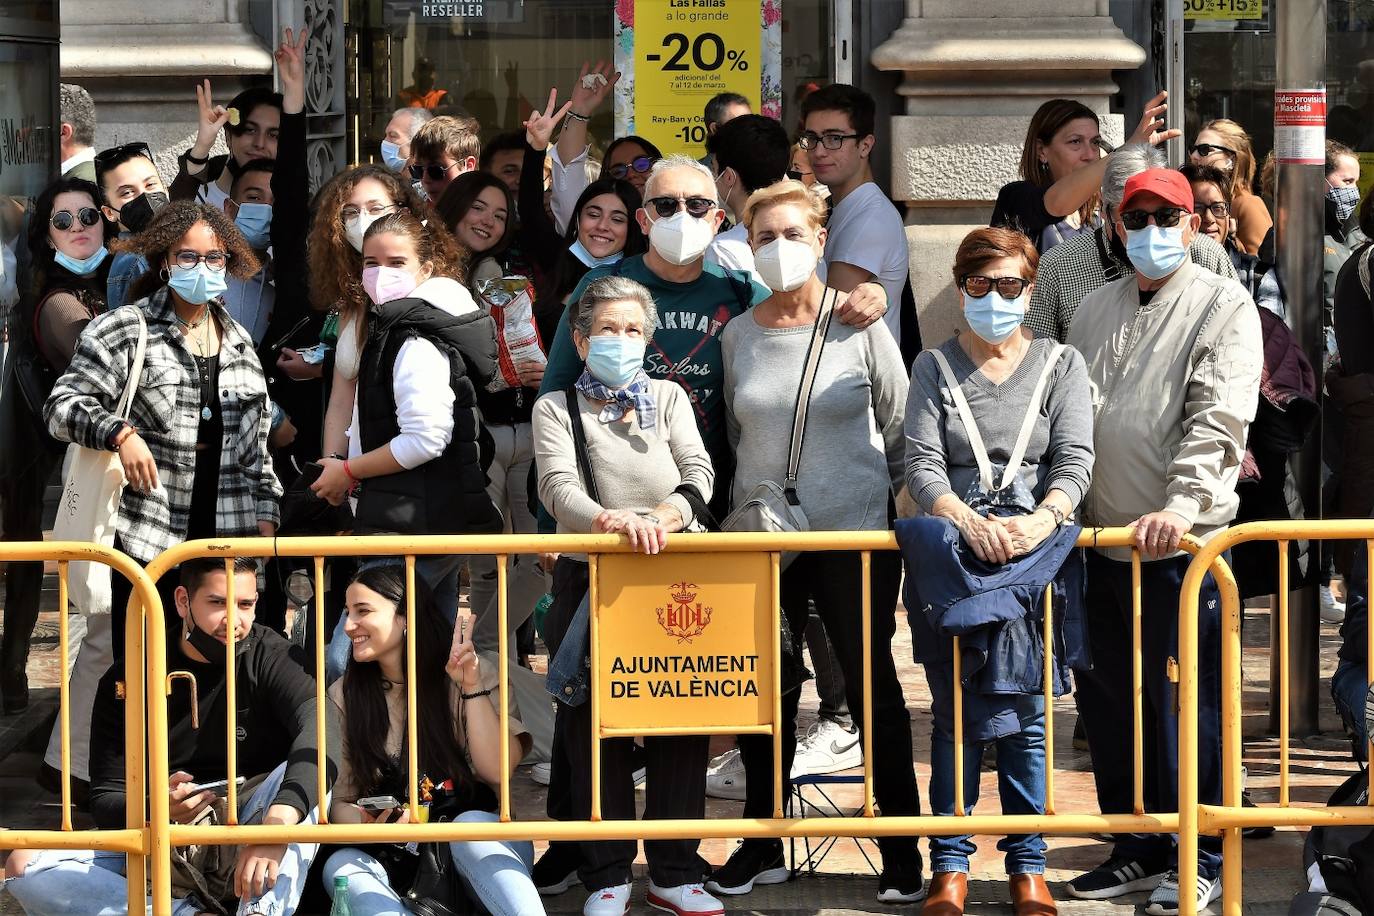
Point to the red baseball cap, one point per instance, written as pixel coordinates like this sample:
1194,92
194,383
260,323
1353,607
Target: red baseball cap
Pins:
1165,183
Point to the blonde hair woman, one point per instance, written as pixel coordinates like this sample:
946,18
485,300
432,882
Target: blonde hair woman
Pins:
1224,144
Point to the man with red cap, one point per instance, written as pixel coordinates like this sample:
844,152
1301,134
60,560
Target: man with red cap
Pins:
1174,355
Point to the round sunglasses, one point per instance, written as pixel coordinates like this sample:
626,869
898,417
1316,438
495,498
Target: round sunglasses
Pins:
640,164
63,220
667,206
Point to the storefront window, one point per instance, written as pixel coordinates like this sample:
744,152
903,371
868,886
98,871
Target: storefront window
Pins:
496,59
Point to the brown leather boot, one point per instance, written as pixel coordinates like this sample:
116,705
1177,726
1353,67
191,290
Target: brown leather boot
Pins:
948,889
1030,896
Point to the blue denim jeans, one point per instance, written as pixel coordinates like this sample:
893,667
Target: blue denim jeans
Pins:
1349,688
440,573
1020,785
497,874
84,882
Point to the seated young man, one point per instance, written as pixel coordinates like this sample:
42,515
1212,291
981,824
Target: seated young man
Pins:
276,760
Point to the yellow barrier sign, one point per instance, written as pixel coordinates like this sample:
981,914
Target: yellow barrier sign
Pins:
685,52
694,653
1223,9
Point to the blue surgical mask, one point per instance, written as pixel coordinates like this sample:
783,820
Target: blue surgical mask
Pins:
580,252
84,267
391,155
1156,252
255,222
614,360
197,285
993,318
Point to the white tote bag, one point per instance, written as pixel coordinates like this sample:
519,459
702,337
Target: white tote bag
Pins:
89,507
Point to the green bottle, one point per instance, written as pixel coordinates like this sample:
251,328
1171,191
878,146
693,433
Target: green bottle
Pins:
541,610
340,907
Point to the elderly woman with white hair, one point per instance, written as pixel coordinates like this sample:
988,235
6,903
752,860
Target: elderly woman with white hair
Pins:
615,451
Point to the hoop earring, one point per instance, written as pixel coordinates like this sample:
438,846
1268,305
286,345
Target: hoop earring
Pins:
165,274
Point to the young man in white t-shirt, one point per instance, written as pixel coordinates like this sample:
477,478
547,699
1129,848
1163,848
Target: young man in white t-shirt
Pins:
866,239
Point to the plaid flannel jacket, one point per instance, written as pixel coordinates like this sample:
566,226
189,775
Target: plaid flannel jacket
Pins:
1086,263
166,412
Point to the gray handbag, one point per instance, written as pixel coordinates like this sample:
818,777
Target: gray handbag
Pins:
770,506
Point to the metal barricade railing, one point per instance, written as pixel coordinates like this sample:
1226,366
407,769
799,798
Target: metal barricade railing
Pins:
134,839
1230,817
165,834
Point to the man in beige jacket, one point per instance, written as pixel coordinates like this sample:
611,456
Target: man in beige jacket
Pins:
1174,356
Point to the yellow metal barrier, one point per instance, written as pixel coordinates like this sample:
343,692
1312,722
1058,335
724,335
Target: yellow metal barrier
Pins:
134,839
165,835
1230,818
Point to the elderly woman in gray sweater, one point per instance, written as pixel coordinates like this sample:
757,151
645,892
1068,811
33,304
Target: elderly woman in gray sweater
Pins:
850,467
983,400
642,447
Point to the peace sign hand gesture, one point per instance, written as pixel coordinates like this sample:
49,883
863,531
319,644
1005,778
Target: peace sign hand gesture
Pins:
539,128
290,58
212,119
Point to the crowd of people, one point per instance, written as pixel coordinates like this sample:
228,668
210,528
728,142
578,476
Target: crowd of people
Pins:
467,338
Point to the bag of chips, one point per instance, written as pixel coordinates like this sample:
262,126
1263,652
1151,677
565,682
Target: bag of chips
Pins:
510,300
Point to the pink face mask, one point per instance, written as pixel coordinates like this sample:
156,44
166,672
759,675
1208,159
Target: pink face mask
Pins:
383,284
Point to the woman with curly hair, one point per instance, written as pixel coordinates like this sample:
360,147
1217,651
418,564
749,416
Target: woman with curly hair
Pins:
347,205
413,455
1224,144
194,443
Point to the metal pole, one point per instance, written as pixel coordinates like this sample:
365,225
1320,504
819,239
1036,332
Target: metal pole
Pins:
1299,219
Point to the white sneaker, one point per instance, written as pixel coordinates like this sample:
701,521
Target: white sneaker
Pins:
826,748
1331,610
542,773
1164,898
684,900
725,776
609,901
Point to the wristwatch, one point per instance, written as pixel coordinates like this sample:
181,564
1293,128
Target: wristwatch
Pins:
1059,517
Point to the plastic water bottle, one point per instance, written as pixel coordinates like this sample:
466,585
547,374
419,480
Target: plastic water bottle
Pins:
340,907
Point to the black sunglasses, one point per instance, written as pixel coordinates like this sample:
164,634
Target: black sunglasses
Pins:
1164,217
109,158
435,172
667,206
640,164
797,174
1207,149
1007,287
63,220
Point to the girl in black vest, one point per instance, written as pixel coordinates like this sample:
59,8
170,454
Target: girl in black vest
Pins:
413,456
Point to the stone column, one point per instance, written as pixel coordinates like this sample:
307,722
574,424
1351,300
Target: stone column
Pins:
141,60
974,71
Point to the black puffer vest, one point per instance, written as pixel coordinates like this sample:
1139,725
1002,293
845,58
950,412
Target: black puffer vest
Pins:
449,494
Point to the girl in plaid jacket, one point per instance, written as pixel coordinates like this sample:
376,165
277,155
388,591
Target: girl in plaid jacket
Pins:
194,447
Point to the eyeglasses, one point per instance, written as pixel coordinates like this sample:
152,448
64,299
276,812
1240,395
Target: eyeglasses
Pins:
1164,217
1007,287
108,159
433,171
809,140
189,260
640,164
63,220
667,206
1206,149
1219,210
351,214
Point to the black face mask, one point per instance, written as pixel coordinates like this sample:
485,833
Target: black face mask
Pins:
139,212
212,649
1117,246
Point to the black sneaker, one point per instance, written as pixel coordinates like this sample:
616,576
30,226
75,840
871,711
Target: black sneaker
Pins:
754,862
1264,831
1116,877
901,885
556,870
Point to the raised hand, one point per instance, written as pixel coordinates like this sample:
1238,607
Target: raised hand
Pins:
211,120
589,93
1151,127
290,58
540,126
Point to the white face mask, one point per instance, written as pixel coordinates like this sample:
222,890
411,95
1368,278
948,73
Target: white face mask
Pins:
785,264
355,232
681,238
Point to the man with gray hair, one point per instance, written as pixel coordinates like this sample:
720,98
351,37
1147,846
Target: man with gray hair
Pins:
1071,270
76,135
405,123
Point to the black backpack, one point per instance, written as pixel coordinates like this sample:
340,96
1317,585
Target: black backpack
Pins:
1345,858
